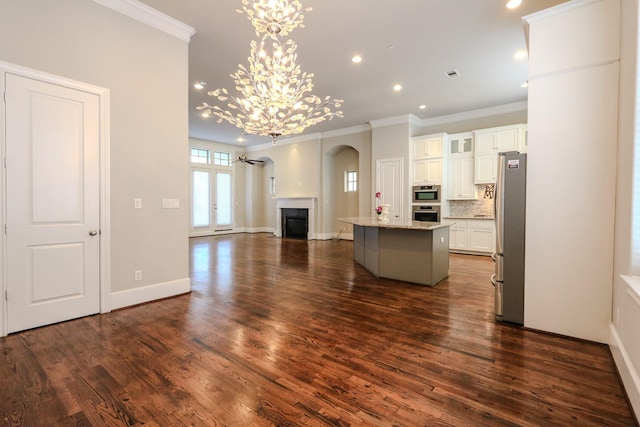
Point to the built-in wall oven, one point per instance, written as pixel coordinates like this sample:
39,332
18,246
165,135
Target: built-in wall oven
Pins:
427,194
429,213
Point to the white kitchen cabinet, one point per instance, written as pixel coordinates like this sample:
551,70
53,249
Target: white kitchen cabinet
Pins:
461,184
524,139
482,236
428,159
458,230
457,238
472,235
461,143
486,168
497,140
427,171
490,142
428,146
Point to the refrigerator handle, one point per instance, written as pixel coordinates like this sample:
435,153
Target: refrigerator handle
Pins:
498,205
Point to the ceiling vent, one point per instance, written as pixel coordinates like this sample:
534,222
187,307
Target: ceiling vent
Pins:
453,73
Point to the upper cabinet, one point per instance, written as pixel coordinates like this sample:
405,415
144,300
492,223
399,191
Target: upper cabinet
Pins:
460,175
428,159
461,143
490,142
497,140
428,146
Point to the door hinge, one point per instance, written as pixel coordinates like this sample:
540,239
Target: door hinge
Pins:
6,295
5,229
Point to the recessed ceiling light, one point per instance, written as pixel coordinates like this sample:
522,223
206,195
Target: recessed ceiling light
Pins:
200,85
397,88
356,59
512,4
240,139
422,107
521,54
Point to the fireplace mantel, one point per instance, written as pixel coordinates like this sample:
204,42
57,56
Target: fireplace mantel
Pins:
296,203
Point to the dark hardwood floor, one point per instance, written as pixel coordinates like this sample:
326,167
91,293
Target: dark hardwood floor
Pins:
294,333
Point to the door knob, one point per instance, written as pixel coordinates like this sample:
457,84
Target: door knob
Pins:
93,233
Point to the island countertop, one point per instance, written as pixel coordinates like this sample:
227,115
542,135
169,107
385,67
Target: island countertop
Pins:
407,224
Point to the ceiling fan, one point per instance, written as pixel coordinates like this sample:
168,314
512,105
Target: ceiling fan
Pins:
243,159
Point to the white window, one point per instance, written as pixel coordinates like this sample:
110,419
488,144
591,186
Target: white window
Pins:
350,181
272,185
199,155
222,159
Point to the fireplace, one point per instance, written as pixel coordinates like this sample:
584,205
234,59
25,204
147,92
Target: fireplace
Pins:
295,223
297,214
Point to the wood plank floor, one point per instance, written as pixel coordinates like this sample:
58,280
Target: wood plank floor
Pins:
294,333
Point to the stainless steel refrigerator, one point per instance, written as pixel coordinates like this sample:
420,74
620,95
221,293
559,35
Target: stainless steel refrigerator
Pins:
510,195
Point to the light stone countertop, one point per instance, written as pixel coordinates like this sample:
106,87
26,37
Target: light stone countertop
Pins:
393,223
467,217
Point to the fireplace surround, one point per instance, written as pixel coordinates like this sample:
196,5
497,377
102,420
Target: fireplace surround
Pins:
298,204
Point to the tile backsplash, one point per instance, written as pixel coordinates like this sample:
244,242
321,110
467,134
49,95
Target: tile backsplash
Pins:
469,208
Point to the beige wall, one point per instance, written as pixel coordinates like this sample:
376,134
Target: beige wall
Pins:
466,125
351,151
146,73
296,166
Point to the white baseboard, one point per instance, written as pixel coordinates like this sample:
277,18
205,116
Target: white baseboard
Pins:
628,373
149,293
258,230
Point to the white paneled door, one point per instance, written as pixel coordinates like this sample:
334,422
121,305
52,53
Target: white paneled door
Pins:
389,183
53,203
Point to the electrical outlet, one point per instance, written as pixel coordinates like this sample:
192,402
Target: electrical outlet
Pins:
137,275
137,203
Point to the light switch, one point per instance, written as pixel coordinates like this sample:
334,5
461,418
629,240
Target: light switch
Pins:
170,203
137,203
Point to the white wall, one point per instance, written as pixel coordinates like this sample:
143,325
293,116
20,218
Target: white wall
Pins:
573,107
146,73
625,344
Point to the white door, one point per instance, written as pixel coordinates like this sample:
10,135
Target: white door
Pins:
223,201
53,197
211,201
389,184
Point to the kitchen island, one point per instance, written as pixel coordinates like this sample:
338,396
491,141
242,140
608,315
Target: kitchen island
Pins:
411,251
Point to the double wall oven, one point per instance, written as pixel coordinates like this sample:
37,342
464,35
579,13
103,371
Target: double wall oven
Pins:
426,203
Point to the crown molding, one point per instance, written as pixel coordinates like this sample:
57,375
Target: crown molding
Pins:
390,121
346,131
556,10
139,11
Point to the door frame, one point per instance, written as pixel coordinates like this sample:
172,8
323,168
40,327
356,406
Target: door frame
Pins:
105,189
401,192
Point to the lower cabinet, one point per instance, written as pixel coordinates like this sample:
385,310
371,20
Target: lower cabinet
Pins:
472,236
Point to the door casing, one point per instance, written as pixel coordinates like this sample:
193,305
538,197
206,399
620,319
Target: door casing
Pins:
105,223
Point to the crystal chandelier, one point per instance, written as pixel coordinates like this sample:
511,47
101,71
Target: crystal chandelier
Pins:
274,94
274,17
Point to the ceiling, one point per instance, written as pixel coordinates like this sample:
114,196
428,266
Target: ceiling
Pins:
409,42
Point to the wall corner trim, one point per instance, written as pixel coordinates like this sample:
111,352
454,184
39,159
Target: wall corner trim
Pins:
626,370
153,18
150,293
